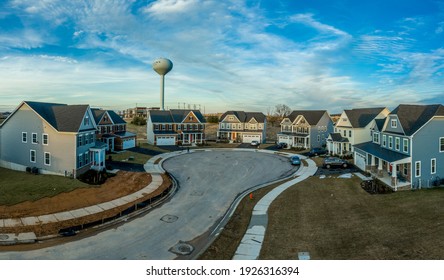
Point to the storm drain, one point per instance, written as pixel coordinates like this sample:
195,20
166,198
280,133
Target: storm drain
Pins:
182,248
169,218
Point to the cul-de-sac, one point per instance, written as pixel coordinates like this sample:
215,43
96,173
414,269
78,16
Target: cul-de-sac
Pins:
221,130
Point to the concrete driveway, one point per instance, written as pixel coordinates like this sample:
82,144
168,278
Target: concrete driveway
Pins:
209,182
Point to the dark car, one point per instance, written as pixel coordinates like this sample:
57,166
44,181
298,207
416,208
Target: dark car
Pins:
295,160
316,152
281,145
330,162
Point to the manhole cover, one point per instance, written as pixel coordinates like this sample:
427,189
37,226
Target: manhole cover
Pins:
4,237
169,218
182,248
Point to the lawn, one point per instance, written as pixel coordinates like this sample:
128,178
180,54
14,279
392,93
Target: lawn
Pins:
16,187
335,219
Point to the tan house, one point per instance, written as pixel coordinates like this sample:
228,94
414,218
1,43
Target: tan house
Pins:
175,127
243,127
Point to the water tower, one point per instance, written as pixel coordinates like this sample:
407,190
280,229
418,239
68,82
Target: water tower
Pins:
162,66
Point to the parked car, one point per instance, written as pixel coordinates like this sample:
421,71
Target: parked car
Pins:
295,160
254,143
316,152
281,145
330,162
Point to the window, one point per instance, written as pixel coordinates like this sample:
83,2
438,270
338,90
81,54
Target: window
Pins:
390,142
376,137
45,139
441,144
349,133
384,140
345,133
86,157
34,138
394,123
397,143
24,137
86,120
47,158
405,145
32,156
170,127
433,166
319,138
417,169
80,160
231,118
79,140
222,125
336,129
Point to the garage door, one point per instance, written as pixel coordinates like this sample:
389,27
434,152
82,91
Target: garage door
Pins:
360,161
284,139
129,143
247,138
166,140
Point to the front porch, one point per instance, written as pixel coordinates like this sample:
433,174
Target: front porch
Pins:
98,156
296,140
191,137
230,136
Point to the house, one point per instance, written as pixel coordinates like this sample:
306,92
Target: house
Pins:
353,127
55,138
175,127
132,113
407,149
111,129
306,129
244,127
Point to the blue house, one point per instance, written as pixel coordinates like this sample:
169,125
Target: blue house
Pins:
407,148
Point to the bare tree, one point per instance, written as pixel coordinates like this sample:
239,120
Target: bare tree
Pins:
282,110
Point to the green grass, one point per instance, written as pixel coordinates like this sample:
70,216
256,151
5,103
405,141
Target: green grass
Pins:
335,219
16,187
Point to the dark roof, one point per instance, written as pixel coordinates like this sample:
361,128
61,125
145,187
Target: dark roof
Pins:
294,134
98,114
378,151
245,117
380,124
337,137
312,116
173,116
362,117
124,134
413,117
64,118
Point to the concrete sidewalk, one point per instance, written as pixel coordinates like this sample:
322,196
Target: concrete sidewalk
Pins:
251,243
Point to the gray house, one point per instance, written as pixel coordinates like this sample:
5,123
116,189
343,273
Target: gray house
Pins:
244,127
57,139
407,149
306,129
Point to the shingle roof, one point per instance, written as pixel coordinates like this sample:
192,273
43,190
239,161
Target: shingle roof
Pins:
173,116
245,116
362,117
98,114
413,117
64,118
312,116
380,124
337,137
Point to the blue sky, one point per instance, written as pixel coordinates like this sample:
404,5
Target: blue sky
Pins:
227,55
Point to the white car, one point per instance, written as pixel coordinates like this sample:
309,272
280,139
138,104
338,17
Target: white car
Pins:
254,143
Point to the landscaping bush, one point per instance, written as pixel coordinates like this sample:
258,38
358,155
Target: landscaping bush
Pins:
93,177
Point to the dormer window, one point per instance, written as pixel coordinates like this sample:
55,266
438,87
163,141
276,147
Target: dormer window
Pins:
394,123
231,118
190,118
86,120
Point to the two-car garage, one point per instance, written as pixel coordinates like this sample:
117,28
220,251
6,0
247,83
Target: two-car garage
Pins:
248,138
166,140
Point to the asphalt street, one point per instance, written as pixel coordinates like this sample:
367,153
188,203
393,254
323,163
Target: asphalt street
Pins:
209,182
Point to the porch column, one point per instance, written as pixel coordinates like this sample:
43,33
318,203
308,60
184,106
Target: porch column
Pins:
394,178
373,164
380,168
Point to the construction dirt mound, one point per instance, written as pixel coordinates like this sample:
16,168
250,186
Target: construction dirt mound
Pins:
122,184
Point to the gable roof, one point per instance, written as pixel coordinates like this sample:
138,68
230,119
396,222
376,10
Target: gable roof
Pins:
362,117
413,117
380,124
312,116
245,116
115,118
64,118
173,116
337,137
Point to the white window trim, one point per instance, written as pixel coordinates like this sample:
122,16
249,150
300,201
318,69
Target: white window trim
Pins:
433,166
390,142
376,134
44,158
384,140
36,138
394,123
417,169
25,133
397,141
47,139
439,143
405,145
30,156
